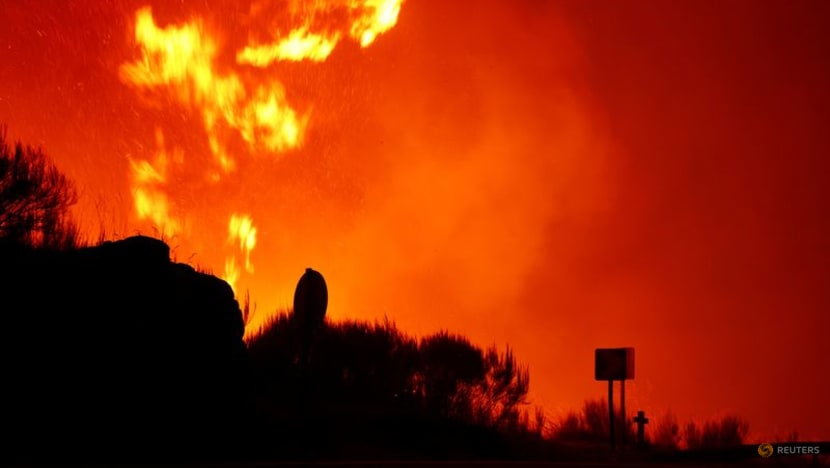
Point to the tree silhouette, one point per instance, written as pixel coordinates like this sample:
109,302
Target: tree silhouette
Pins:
449,363
377,370
504,388
35,198
373,362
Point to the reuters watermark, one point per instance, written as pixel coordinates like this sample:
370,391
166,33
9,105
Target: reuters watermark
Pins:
792,448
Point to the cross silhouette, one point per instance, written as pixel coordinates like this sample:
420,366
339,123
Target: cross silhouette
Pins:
641,421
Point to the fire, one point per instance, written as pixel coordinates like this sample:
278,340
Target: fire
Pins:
231,273
234,104
181,60
317,37
148,182
383,17
241,231
299,45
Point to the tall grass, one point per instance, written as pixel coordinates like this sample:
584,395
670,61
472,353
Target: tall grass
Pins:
729,431
592,424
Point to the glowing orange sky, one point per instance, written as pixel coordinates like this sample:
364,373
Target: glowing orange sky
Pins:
558,176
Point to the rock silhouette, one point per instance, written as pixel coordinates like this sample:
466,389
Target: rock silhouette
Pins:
310,303
115,349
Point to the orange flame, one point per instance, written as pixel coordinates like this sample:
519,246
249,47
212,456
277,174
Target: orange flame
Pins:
316,38
148,181
241,230
180,61
299,45
384,16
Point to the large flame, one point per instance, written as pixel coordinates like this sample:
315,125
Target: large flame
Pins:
181,62
324,23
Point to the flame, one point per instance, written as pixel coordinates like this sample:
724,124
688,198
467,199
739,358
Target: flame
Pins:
148,180
317,37
231,275
299,45
241,230
384,16
181,60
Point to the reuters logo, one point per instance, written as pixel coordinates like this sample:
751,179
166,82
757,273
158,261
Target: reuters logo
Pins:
765,450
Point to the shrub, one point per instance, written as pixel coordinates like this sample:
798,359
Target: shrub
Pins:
377,367
592,423
35,198
666,432
730,431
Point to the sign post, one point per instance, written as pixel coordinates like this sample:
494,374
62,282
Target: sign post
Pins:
611,414
622,413
612,364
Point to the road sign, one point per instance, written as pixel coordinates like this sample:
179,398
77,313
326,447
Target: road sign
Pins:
614,364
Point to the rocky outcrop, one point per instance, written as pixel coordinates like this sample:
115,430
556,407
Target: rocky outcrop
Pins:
310,301
116,352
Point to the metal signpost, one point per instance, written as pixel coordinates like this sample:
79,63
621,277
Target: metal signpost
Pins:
612,364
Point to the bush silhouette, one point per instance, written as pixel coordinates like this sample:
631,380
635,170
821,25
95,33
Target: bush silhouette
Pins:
499,397
450,367
665,433
592,424
729,431
35,198
381,370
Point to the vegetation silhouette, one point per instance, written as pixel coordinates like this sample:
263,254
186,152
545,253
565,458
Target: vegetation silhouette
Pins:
591,424
35,198
729,431
110,350
372,386
115,353
665,432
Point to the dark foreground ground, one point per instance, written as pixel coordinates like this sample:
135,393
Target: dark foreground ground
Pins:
498,464
116,354
567,455
623,462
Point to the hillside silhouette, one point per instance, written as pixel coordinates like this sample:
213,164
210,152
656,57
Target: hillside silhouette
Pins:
114,349
115,353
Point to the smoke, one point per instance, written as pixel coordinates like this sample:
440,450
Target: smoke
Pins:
464,155
433,167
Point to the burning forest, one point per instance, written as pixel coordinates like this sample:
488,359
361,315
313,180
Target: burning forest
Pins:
472,179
